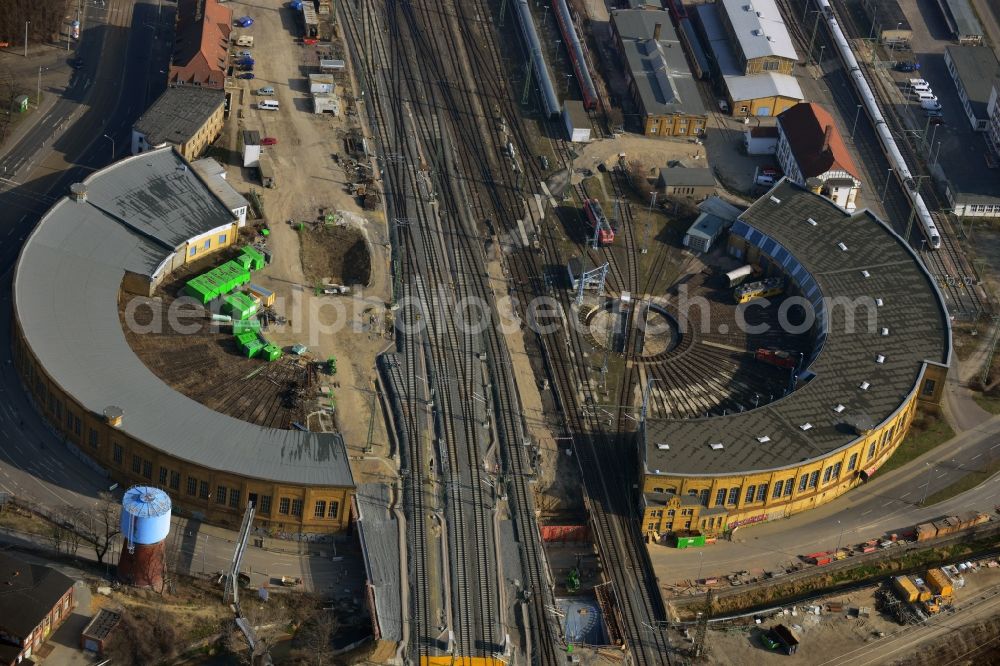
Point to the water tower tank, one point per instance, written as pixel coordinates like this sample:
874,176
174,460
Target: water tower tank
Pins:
145,525
145,515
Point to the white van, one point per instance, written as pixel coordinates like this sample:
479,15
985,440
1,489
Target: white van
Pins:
919,84
927,96
930,105
268,105
244,40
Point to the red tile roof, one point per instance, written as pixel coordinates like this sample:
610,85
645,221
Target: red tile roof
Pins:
805,125
203,28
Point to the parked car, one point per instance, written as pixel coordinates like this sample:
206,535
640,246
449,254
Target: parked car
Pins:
268,141
937,118
266,90
907,66
245,75
244,21
764,179
769,171
723,105
245,54
930,104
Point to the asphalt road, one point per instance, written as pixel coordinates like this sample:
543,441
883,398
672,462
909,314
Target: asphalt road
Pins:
85,121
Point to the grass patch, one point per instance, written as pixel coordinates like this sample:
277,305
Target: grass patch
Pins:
967,482
988,402
926,433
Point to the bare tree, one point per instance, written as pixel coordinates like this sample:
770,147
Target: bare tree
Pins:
64,526
100,525
637,176
315,640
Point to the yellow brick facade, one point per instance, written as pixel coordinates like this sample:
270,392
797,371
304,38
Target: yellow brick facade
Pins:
214,241
674,125
770,495
193,148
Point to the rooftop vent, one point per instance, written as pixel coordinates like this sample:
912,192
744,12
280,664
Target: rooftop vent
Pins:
763,439
839,408
748,8
663,447
78,192
775,199
717,446
879,302
866,274
864,386
811,221
806,426
885,332
880,359
756,33
113,415
842,247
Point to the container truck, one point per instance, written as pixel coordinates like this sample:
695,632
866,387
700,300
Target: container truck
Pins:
905,588
939,582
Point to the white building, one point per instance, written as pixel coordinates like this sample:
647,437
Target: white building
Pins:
250,145
576,121
993,113
810,147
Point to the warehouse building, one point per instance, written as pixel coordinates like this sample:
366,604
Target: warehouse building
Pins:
201,50
811,151
124,230
973,70
855,394
657,74
752,55
962,21
188,118
34,601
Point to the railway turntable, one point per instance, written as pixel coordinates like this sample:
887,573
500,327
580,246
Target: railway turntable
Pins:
863,338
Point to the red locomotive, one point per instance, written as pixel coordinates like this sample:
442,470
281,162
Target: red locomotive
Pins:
597,220
777,357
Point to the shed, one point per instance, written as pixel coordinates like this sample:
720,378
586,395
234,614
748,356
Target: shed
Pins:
266,170
576,121
329,65
321,83
250,144
97,631
760,140
20,104
266,296
693,183
326,102
704,232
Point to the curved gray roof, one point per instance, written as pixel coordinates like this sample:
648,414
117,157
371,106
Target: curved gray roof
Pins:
912,311
66,288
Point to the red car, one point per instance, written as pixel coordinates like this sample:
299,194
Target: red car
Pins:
268,141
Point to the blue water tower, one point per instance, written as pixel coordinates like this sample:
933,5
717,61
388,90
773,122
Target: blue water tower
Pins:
145,524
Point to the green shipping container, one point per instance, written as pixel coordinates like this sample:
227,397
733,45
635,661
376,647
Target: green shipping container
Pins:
272,352
256,258
199,290
691,541
246,326
241,306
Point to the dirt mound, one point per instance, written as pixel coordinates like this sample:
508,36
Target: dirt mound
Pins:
337,253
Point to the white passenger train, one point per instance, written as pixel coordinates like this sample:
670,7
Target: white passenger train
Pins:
889,146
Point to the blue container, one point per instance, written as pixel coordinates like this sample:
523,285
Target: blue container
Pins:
145,515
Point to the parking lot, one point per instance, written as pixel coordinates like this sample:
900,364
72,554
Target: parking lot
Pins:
960,153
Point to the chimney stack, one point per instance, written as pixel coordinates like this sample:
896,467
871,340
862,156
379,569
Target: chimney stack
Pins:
656,31
826,138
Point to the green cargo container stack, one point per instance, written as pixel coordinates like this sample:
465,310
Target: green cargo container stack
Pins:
241,306
246,325
254,258
249,343
218,281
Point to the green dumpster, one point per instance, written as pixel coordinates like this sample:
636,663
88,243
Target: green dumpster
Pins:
241,306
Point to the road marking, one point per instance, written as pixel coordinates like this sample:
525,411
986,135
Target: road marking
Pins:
994,446
867,512
942,474
902,496
976,456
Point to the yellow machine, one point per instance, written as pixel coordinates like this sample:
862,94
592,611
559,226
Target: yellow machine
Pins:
760,289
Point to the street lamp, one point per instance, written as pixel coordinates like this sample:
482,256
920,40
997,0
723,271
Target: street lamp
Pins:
26,38
857,115
112,146
885,190
840,538
927,485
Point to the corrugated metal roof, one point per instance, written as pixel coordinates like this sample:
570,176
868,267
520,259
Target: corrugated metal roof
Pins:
759,28
963,18
71,269
912,310
379,533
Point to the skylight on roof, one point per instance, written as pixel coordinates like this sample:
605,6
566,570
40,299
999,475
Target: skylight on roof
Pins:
879,302
775,199
663,447
806,426
811,221
880,359
839,408
864,386
866,274
717,446
885,332
763,439
842,247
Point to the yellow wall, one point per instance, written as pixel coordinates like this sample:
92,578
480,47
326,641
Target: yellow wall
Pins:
752,107
118,452
886,438
772,64
196,145
674,125
209,243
